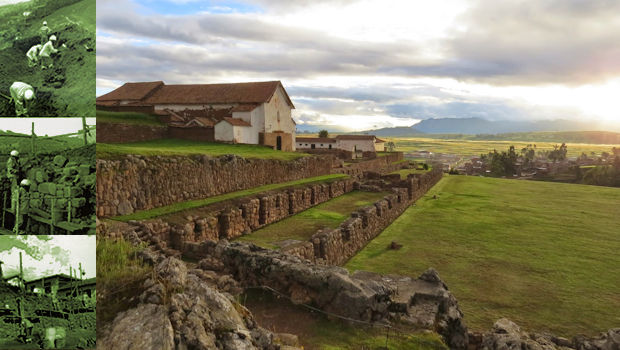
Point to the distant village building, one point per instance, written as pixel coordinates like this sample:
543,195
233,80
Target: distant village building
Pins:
251,113
350,143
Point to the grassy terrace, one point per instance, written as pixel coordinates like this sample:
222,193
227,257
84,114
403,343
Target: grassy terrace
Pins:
542,254
404,172
128,118
303,225
184,206
176,147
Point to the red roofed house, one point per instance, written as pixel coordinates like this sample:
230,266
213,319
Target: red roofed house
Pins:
350,143
252,113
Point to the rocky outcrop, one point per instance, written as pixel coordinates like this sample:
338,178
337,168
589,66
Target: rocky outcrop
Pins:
363,296
184,309
144,327
507,335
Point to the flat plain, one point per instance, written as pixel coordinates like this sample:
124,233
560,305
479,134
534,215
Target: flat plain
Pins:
477,147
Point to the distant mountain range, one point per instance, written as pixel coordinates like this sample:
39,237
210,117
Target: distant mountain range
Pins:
475,126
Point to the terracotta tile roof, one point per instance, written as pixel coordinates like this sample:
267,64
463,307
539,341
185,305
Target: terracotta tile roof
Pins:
132,91
256,92
235,121
355,137
245,108
315,139
165,112
201,121
106,103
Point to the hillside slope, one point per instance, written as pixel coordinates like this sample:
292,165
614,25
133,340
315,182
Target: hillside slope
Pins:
69,88
538,253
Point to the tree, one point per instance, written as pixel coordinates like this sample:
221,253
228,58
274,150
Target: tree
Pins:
558,153
390,146
323,133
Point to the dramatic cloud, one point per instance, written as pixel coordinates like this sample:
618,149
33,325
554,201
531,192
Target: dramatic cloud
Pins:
391,60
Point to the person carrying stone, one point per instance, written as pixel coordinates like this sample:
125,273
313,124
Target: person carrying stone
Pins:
44,31
33,55
23,96
45,55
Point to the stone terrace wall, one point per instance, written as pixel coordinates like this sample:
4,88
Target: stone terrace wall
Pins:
244,216
384,164
329,247
138,182
238,217
337,246
121,133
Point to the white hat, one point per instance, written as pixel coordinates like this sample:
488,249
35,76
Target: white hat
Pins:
44,23
25,182
53,37
29,94
14,153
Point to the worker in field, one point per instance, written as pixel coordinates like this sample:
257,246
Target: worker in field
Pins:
21,197
44,31
13,168
23,96
33,55
26,328
45,55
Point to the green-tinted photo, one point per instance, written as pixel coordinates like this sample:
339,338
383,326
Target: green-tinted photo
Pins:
47,292
47,55
47,185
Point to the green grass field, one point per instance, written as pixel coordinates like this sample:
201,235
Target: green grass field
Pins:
542,254
475,148
128,118
176,147
303,225
181,209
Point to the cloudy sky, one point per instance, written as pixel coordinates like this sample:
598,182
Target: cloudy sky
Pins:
44,126
369,64
47,255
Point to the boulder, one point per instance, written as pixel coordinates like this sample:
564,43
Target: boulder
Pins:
144,327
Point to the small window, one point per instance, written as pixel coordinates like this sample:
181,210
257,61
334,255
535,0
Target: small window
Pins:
321,145
278,116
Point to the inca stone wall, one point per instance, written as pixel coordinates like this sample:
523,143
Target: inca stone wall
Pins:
138,182
233,218
121,133
238,217
329,247
337,246
383,164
